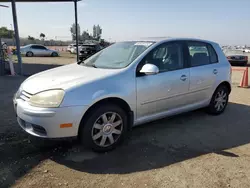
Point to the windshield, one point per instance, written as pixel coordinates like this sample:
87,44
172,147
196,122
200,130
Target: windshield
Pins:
118,55
234,52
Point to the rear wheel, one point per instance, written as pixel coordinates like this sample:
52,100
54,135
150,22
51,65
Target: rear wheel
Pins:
54,54
219,100
29,54
105,128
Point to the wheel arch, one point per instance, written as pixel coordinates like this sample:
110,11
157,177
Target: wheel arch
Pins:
110,100
29,51
53,52
227,84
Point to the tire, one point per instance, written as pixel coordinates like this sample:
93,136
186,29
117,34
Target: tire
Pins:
96,134
54,54
29,54
217,107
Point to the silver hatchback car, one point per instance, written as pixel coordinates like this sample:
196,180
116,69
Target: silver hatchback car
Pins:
127,84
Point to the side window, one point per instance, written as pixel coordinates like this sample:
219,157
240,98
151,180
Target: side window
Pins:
38,47
167,57
213,54
199,54
41,47
34,47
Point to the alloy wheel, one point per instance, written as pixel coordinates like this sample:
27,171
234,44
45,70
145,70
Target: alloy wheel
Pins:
220,100
107,129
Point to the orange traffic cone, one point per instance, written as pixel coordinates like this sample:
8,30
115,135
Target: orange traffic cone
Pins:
244,81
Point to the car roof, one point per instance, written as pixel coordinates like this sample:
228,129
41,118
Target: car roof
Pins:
168,39
34,44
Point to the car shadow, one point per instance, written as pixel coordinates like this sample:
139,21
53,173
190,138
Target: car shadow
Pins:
168,141
31,68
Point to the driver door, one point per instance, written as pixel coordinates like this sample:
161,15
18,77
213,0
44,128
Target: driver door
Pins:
166,90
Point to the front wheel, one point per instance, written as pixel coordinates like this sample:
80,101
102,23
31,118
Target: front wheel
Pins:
105,128
219,100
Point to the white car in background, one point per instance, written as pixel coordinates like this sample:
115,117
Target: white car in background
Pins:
72,48
246,50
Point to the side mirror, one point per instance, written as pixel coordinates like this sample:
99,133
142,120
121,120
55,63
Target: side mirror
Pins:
149,69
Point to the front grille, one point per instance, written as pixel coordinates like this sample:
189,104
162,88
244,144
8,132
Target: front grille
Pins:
25,96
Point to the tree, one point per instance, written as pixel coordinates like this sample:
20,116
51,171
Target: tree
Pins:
73,31
86,36
31,38
42,36
6,33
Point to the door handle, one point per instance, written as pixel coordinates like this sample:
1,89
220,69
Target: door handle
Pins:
183,77
215,71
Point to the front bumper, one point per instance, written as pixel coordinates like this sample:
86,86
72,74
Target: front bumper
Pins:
46,122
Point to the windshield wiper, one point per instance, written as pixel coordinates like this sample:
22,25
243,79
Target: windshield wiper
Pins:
80,61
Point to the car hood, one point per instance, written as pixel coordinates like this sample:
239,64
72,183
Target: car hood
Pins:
65,77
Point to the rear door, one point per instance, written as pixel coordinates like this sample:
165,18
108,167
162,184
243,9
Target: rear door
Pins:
44,51
35,50
39,50
204,68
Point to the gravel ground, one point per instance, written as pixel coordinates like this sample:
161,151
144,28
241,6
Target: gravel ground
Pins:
189,150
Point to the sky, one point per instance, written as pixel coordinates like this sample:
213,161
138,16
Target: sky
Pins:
224,21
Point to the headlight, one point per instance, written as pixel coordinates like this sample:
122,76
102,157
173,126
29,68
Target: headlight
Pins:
47,99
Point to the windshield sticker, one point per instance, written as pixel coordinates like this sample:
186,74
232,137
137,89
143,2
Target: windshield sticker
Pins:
147,44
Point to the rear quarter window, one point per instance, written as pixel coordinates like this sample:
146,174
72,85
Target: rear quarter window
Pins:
212,54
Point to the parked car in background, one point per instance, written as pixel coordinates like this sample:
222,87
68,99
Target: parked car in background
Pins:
124,85
247,50
236,57
72,48
37,50
87,50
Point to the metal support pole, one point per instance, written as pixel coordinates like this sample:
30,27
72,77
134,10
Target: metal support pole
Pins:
17,37
2,65
76,29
